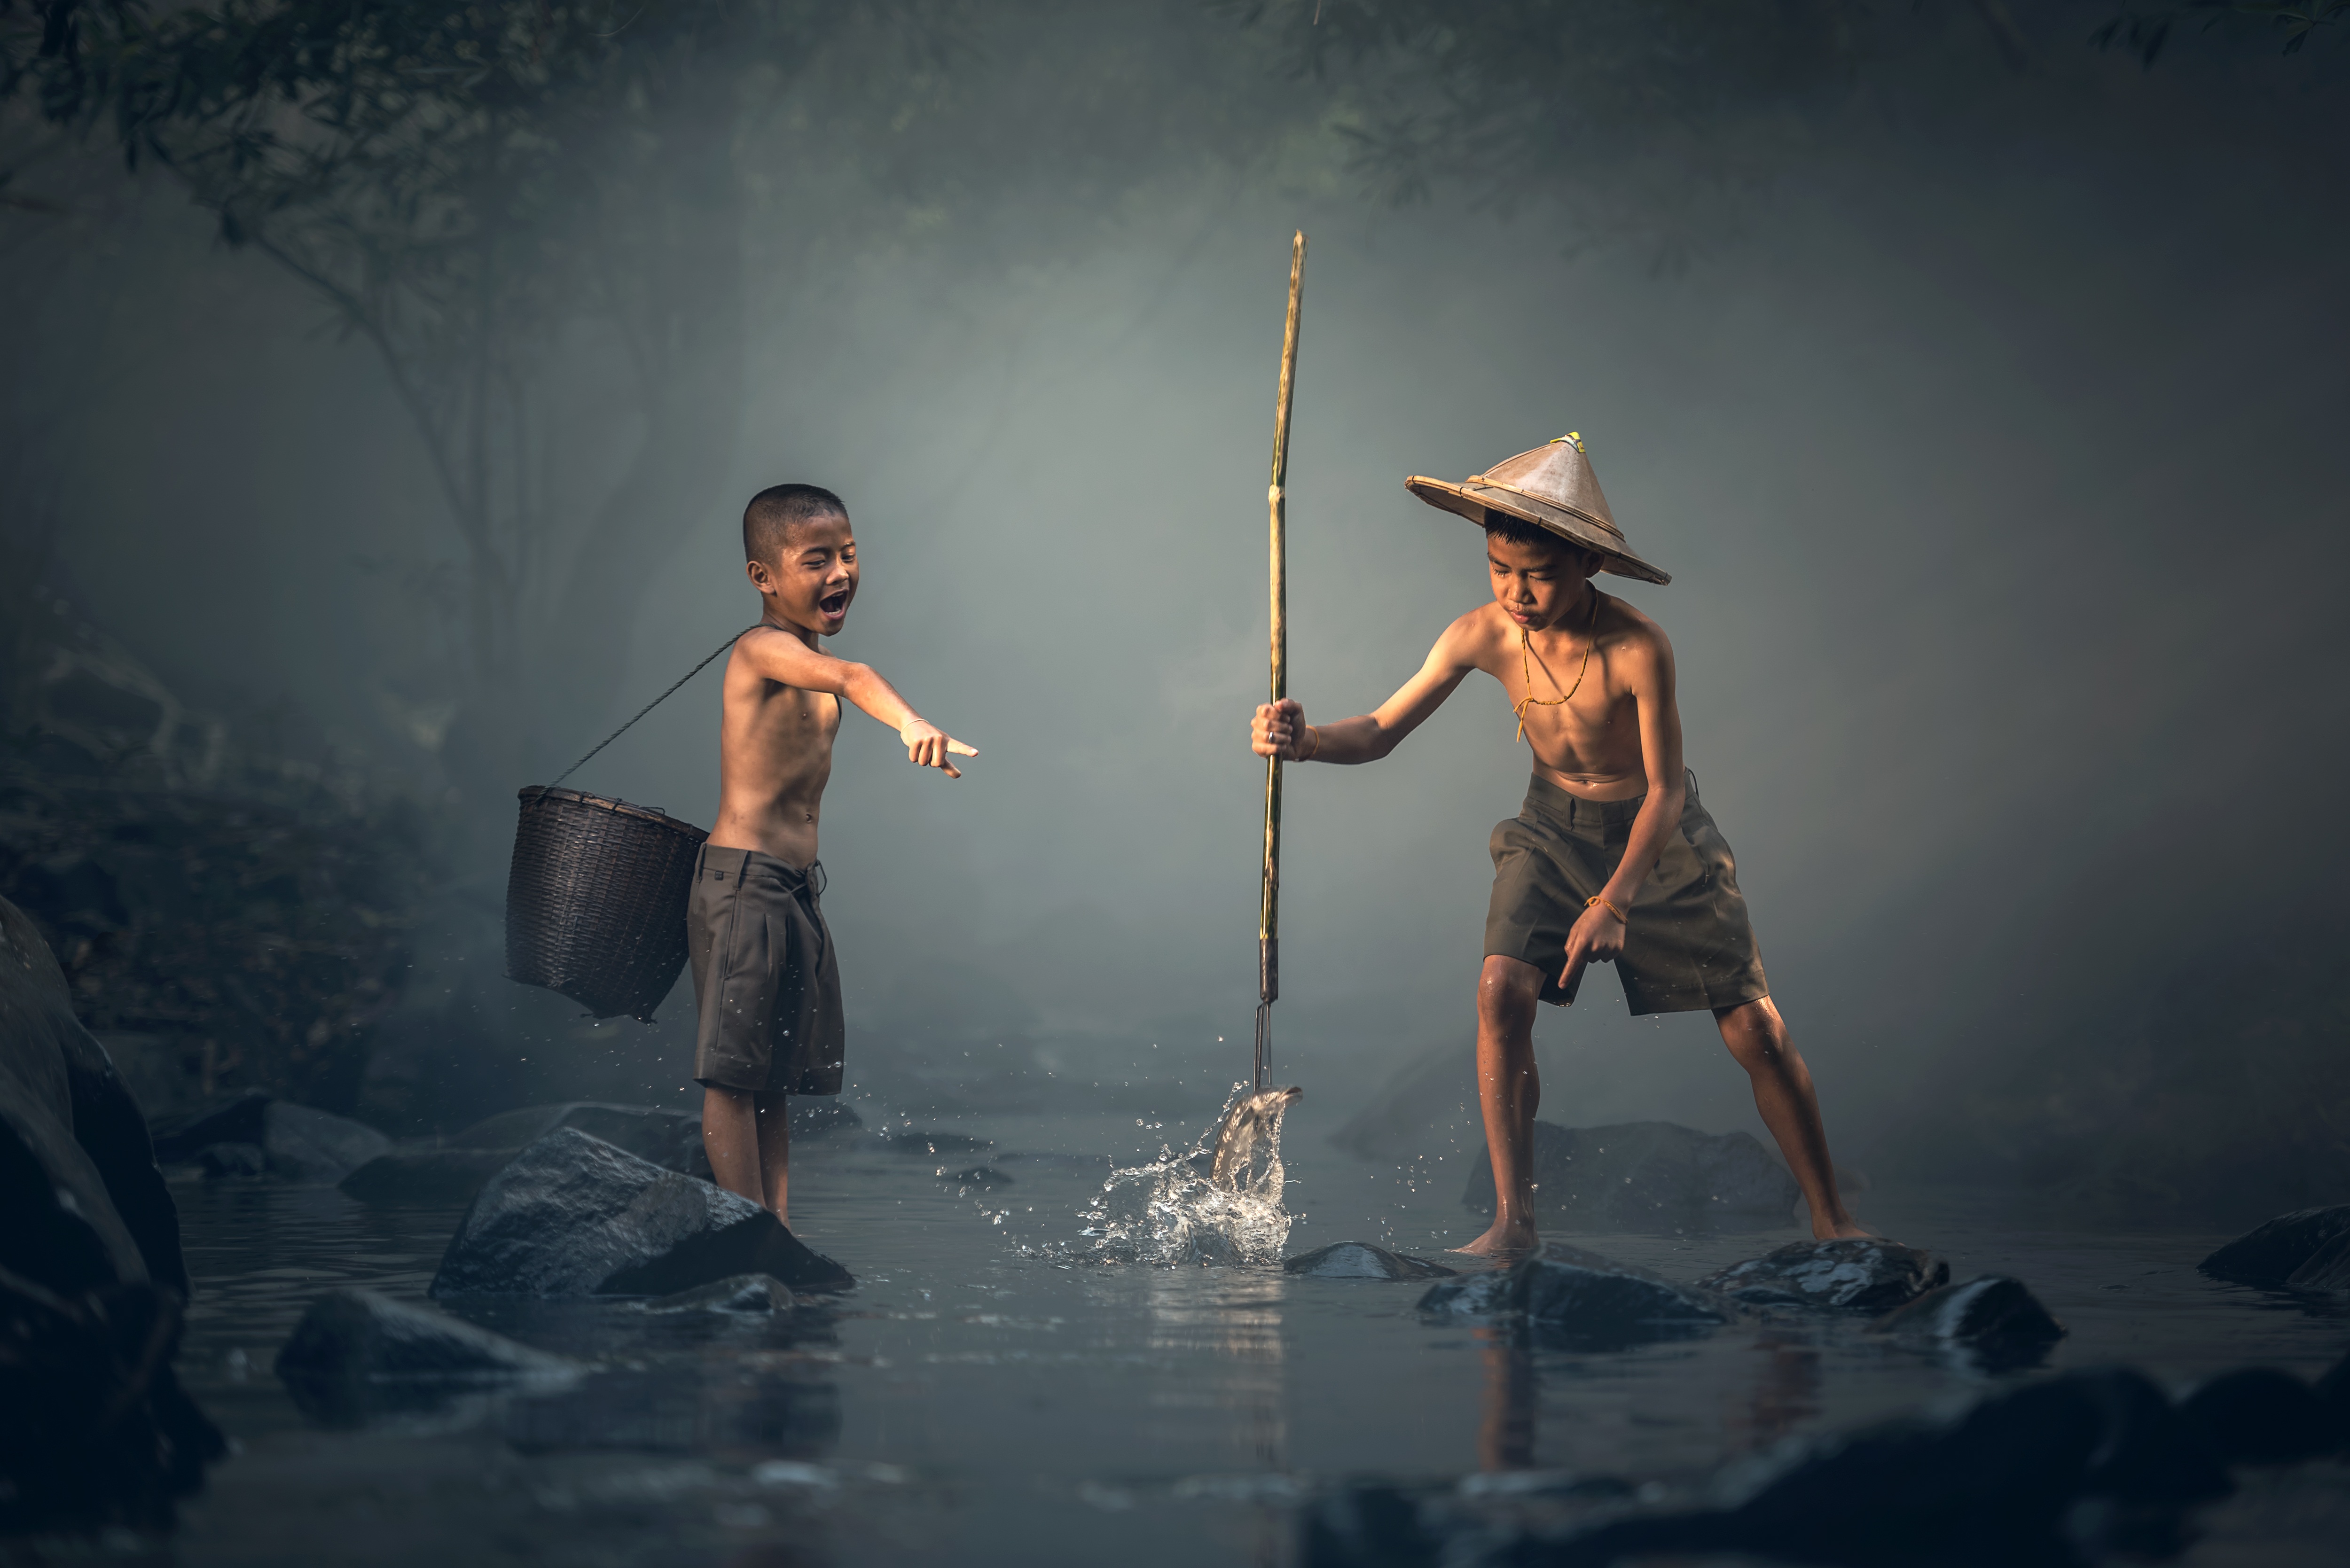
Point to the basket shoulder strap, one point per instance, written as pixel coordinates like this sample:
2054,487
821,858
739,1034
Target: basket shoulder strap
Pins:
656,702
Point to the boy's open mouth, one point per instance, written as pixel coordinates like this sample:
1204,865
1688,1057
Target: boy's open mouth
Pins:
834,603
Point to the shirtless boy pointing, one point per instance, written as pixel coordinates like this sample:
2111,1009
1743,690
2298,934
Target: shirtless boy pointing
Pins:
1612,859
765,983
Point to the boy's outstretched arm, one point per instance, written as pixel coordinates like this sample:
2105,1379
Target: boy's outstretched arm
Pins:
785,658
1280,730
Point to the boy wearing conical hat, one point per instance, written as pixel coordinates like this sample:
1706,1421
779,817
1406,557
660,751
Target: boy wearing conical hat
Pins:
1612,860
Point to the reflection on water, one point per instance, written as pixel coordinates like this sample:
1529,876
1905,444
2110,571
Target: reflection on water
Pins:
984,1399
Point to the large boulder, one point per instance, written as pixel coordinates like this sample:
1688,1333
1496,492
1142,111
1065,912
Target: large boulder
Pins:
86,1203
1857,1274
574,1215
1991,1321
1579,1296
2271,1253
94,1426
1361,1260
96,1429
295,1142
1649,1177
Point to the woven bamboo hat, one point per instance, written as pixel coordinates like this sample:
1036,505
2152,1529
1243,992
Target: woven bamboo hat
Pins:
1551,487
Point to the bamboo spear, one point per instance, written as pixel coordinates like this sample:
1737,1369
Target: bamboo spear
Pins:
1268,929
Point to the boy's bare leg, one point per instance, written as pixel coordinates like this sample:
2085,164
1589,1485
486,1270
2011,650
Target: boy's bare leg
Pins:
1508,1091
1757,1037
730,1137
775,1153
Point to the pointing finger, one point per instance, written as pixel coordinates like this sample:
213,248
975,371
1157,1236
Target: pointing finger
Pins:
1572,976
959,748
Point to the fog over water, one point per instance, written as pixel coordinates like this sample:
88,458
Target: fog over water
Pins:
1993,442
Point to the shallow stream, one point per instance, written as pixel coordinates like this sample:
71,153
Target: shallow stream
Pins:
984,1399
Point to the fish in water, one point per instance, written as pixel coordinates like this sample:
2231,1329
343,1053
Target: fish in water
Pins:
1247,1143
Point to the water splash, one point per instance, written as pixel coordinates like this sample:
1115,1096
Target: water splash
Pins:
1173,1212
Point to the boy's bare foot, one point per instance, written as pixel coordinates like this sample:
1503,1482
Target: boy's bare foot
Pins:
1845,1229
1502,1241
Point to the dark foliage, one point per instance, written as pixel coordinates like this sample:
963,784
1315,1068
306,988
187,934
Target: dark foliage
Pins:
260,934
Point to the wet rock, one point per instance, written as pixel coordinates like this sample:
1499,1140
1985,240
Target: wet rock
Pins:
1651,1178
1581,1296
2328,1268
572,1215
97,1429
1852,1275
1361,1260
2269,1255
977,1175
2259,1414
1993,1319
233,1159
364,1336
742,1294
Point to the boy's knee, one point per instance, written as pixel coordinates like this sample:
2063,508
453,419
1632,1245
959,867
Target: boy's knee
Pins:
1507,990
1754,1035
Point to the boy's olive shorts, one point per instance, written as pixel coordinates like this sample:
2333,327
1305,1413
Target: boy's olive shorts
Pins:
1687,943
767,986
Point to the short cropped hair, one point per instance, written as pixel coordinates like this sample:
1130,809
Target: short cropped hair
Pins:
1513,530
768,521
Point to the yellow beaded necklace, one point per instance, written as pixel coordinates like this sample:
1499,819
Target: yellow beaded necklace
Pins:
1526,668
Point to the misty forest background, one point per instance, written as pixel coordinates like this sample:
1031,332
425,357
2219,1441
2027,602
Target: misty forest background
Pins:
385,381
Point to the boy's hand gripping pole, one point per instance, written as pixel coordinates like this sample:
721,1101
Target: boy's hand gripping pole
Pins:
1268,929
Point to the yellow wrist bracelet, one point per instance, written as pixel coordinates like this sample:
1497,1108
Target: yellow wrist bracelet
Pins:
1611,910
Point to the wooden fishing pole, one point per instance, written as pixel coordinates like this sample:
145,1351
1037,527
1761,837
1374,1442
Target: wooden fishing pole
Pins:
1268,929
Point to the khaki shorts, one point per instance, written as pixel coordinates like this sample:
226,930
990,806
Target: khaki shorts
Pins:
766,988
1688,944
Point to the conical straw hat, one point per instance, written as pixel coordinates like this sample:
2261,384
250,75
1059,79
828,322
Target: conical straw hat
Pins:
1552,487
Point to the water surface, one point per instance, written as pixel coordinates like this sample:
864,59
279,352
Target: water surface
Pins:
984,1399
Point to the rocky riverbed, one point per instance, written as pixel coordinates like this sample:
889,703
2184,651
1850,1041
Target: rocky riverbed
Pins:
980,1398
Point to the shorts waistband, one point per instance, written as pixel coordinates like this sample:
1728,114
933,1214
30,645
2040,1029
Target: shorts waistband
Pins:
1547,802
744,863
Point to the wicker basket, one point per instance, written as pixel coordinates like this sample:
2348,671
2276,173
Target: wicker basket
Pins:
595,900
